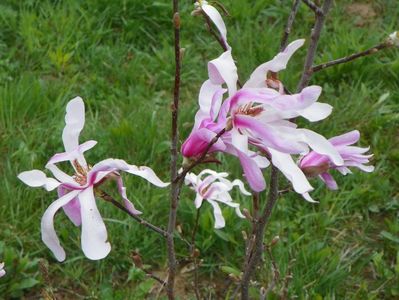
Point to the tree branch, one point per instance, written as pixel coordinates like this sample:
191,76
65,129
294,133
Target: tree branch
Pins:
290,22
313,6
315,37
349,58
175,186
259,234
194,254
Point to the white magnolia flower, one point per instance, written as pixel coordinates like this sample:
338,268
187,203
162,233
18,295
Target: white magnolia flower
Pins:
215,188
76,192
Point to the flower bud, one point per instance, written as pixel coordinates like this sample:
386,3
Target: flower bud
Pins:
394,38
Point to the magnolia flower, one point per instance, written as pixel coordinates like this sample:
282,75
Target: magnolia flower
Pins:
77,192
2,271
214,188
315,164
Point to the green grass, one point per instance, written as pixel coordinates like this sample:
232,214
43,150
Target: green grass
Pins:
119,58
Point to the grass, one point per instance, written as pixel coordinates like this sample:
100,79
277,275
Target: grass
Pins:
118,56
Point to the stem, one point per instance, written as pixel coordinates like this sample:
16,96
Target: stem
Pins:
260,231
351,57
290,22
194,255
143,222
315,37
175,186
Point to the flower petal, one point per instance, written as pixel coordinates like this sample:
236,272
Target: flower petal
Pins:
127,203
49,236
316,112
217,19
217,213
74,123
198,200
72,208
348,138
329,181
94,234
223,70
197,142
37,178
278,63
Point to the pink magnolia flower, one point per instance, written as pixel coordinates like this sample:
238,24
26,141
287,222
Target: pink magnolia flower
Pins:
258,115
316,164
215,188
77,193
2,271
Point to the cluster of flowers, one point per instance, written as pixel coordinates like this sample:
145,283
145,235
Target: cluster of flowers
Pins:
257,126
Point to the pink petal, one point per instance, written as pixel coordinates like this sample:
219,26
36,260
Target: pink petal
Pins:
72,208
95,243
49,236
36,178
329,181
197,142
346,139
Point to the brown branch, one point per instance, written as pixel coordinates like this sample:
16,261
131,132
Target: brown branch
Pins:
349,58
313,6
259,234
175,186
315,37
107,197
136,258
290,22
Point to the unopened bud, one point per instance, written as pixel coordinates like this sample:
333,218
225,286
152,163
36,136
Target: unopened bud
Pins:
196,253
176,20
244,235
137,259
179,229
182,51
247,214
233,277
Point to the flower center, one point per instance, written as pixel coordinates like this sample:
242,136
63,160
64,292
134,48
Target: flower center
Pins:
81,173
249,110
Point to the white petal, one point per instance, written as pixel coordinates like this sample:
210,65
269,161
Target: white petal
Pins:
321,145
37,178
198,200
60,175
217,213
74,122
291,171
307,197
49,236
316,112
223,70
239,141
94,234
217,19
278,63
240,184
128,204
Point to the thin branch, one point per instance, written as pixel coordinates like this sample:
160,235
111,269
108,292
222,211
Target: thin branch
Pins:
139,264
290,22
175,187
107,197
260,231
182,175
276,273
315,37
313,6
349,58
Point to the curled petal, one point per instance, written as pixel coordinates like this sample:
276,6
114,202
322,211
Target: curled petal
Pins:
217,19
49,236
240,184
126,202
95,243
37,178
278,63
223,70
217,213
74,123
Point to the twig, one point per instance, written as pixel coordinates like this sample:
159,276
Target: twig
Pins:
290,22
107,197
136,258
313,6
260,231
349,58
276,273
182,175
175,187
315,36
194,254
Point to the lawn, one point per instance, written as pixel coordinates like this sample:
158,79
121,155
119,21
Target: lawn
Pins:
118,56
